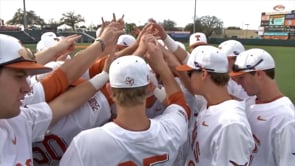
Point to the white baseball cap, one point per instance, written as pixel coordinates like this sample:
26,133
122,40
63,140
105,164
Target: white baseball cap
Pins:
48,34
129,72
126,40
12,55
252,60
231,48
197,39
206,57
48,39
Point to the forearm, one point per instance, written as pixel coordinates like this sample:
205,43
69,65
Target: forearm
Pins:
46,55
168,80
70,101
75,97
180,53
75,67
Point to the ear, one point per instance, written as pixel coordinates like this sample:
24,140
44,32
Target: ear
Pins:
260,74
204,74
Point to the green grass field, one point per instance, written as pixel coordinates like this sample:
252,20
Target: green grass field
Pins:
285,66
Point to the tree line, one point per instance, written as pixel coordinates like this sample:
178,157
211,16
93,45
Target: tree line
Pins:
206,24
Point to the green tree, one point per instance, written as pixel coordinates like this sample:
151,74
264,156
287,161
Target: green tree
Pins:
53,24
207,25
32,18
234,28
71,19
169,25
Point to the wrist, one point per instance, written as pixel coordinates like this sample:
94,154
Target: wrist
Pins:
99,80
102,44
170,43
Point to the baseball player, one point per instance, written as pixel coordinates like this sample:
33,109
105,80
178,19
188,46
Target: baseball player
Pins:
22,125
270,113
125,40
197,39
232,48
132,138
218,125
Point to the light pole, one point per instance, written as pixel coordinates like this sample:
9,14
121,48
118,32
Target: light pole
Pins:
246,30
194,28
25,15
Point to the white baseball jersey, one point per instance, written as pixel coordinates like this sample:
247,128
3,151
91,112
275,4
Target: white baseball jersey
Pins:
273,127
236,90
195,103
156,108
18,133
221,136
36,95
93,113
114,145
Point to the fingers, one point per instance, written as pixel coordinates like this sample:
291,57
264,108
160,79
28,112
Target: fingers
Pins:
114,17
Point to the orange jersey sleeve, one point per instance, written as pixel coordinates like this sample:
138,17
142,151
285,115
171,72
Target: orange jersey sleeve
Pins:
107,95
178,98
97,67
55,84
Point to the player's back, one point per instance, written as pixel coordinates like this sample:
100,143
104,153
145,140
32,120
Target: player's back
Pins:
114,145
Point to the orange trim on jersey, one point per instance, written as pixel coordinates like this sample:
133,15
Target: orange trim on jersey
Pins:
55,84
107,95
178,98
97,67
150,101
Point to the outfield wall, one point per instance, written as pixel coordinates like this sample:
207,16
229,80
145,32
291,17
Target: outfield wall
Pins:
264,42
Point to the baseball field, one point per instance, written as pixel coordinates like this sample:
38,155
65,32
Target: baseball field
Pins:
285,66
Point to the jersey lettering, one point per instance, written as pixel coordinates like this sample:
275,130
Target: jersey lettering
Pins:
27,163
149,161
195,144
51,148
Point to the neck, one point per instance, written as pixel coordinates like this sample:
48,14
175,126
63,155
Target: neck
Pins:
213,99
265,95
132,118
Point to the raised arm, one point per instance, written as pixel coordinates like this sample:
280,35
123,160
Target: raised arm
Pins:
71,70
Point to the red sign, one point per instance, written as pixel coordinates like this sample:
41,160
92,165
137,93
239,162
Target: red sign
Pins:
290,22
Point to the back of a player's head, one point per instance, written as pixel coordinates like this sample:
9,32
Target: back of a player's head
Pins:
197,39
13,55
252,60
48,39
125,40
231,48
129,77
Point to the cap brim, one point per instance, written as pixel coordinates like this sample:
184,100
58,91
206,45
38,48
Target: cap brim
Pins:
31,67
197,44
183,68
234,74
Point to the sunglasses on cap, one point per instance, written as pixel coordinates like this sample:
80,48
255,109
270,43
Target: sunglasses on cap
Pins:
200,68
248,67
